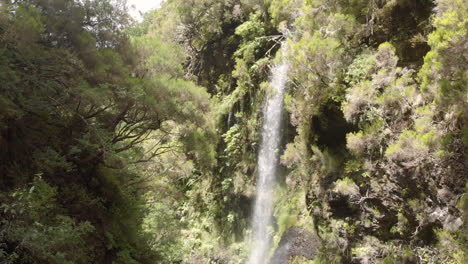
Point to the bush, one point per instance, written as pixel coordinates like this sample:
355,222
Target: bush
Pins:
33,222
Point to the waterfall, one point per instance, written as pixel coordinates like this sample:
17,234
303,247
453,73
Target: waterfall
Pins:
229,120
267,166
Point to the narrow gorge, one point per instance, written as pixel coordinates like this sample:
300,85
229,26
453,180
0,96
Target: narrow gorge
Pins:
233,132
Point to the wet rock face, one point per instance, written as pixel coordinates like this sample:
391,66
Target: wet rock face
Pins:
295,242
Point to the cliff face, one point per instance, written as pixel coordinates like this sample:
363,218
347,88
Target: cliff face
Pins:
294,243
375,154
393,188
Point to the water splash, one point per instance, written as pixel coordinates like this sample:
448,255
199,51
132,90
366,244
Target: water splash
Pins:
267,166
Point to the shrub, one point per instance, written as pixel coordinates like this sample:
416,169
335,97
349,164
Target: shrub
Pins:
347,187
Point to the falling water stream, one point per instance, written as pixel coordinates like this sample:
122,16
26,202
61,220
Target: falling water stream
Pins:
267,166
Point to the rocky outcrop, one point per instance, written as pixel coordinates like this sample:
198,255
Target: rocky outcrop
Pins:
296,242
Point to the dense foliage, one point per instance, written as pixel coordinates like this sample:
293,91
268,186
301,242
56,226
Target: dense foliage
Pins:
85,105
136,142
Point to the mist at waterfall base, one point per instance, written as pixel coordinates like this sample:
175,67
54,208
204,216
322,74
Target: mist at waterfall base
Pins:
267,166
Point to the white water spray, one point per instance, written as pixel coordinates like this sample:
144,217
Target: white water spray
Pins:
267,166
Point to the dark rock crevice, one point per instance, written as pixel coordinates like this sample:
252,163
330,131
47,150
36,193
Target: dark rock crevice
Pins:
296,242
